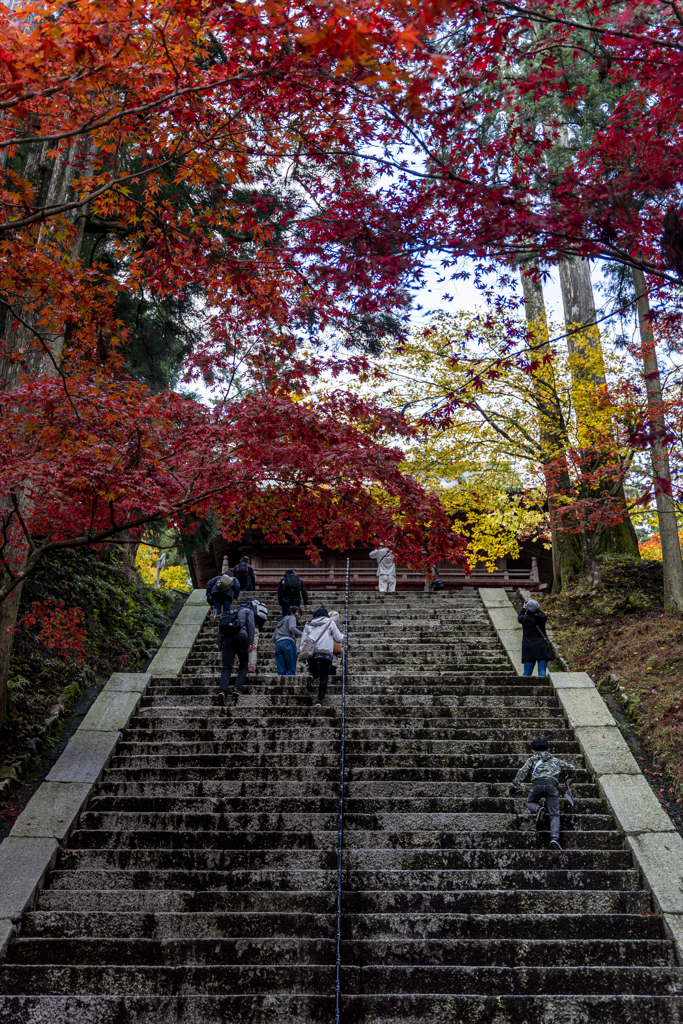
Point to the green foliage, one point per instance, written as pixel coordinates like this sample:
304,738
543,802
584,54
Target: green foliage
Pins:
123,619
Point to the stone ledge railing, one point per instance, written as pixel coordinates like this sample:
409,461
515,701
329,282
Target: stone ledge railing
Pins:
30,850
656,846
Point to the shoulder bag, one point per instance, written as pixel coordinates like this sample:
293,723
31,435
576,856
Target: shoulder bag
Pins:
550,650
308,648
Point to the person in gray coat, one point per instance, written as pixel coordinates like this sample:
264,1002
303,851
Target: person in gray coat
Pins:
285,636
239,644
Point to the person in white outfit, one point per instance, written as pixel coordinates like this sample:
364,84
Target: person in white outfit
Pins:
386,570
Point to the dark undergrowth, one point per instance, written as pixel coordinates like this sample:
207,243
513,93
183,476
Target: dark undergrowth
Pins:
619,634
121,627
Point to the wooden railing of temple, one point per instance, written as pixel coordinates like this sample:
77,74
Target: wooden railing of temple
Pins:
365,578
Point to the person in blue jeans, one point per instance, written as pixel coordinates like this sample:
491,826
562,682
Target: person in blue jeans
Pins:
534,640
285,635
221,599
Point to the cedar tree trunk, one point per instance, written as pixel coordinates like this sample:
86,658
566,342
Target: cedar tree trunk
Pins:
579,309
661,471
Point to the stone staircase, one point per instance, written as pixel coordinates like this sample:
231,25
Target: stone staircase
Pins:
200,885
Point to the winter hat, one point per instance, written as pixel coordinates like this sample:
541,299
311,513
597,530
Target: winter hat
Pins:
533,606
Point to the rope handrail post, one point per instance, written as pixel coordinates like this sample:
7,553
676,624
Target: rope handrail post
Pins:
345,645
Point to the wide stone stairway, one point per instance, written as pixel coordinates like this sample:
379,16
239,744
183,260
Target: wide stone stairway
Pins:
200,884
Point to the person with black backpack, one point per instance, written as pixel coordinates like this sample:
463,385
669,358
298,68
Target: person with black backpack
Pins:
221,591
260,618
290,590
235,637
244,573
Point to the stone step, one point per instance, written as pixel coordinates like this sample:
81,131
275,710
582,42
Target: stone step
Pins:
593,980
130,809
558,1008
537,928
538,903
177,979
114,878
380,1009
211,766
358,727
185,979
297,950
356,839
222,859
296,786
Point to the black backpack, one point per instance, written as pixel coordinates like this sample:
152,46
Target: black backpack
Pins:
242,571
292,582
230,624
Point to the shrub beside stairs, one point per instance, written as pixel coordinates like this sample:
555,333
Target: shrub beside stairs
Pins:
200,884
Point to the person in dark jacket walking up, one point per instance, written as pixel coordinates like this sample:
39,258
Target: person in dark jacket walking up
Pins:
244,574
534,640
221,591
290,590
285,636
544,795
238,642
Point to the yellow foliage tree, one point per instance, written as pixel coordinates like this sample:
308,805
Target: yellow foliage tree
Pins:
526,437
172,577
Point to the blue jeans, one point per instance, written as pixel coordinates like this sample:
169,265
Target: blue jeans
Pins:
221,602
285,657
288,603
529,667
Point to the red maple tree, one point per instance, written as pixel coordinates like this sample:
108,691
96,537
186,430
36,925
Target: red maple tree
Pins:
210,143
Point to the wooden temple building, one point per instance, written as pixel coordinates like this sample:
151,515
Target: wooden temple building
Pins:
532,570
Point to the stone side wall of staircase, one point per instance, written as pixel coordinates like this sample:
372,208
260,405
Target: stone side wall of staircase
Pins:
199,884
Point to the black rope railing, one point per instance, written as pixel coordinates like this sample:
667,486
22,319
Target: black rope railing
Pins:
337,1007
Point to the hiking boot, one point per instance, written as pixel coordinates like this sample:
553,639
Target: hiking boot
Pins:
221,699
309,683
540,813
555,845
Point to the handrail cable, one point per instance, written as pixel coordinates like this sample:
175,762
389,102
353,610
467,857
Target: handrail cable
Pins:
341,794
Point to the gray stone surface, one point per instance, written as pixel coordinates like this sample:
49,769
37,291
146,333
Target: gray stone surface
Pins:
660,858
674,926
183,635
571,680
127,682
86,754
634,805
192,613
504,618
169,661
111,711
196,597
23,863
606,751
6,933
492,596
511,640
52,810
584,707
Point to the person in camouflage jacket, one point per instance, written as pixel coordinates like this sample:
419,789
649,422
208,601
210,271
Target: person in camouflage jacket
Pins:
545,771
